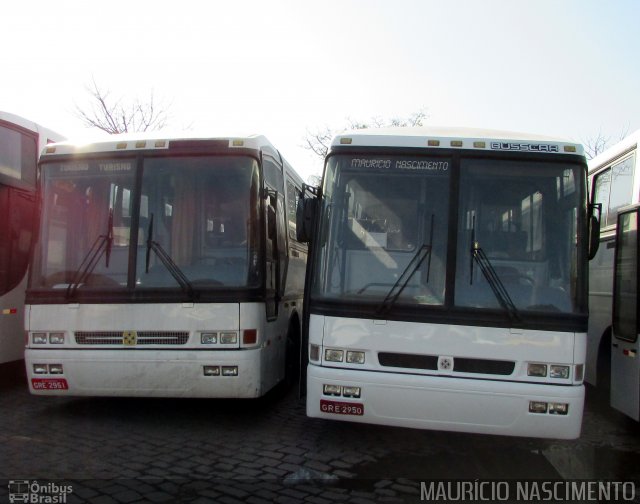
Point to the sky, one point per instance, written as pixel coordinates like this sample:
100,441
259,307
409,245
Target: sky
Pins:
283,68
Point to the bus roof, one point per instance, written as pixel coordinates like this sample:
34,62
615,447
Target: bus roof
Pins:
621,148
457,138
49,135
152,141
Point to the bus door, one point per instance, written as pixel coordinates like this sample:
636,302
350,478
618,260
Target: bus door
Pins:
625,350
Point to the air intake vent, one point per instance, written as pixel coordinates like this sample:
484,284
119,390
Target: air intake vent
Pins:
460,364
141,338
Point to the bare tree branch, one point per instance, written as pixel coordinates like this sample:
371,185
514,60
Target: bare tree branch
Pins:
117,117
599,143
319,140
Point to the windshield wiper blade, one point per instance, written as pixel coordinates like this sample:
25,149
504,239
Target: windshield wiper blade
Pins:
395,291
416,261
102,244
498,288
168,262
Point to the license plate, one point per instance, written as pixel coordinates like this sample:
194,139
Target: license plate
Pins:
49,384
341,408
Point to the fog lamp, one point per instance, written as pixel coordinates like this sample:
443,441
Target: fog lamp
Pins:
229,370
40,369
351,392
558,408
537,407
333,355
55,368
333,390
212,370
537,370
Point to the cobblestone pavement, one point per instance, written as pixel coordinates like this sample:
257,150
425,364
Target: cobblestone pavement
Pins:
115,450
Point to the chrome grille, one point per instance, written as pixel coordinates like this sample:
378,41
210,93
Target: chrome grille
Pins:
143,337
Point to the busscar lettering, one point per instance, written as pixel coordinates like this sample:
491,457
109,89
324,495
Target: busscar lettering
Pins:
524,147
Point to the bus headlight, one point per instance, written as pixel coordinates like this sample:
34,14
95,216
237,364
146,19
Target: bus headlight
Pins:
539,370
39,338
559,371
228,338
355,357
333,355
56,338
209,338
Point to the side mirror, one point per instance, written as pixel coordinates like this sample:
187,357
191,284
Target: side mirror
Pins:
305,215
594,228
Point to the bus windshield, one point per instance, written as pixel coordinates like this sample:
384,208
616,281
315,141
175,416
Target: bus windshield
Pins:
200,212
380,215
384,233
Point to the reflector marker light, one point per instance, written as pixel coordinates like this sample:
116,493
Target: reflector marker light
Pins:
9,311
50,150
238,143
346,141
433,143
456,143
249,336
570,148
121,145
141,145
161,144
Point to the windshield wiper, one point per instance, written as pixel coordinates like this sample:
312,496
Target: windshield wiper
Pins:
169,263
102,244
403,280
489,273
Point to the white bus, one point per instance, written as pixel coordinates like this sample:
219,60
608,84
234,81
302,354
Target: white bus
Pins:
20,142
625,345
165,267
614,185
447,283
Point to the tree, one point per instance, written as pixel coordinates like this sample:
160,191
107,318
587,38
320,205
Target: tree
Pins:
599,143
119,116
319,140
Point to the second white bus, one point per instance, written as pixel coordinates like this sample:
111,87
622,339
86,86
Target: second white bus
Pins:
21,141
614,184
448,282
165,266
